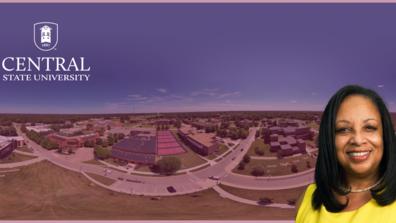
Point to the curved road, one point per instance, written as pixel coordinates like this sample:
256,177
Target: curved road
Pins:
186,183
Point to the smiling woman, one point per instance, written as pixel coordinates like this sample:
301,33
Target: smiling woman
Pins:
355,176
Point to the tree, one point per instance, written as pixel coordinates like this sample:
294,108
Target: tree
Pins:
121,136
89,143
309,165
243,133
89,126
110,139
233,134
55,127
209,129
178,124
8,131
259,151
105,143
168,165
99,141
224,125
101,152
241,166
246,158
101,131
23,128
294,168
49,145
222,133
258,171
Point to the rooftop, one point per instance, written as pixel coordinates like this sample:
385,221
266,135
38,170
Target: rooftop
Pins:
138,144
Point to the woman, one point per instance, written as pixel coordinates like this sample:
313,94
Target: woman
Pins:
355,175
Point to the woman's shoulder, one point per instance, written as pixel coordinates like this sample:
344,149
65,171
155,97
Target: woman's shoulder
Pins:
303,205
305,198
309,191
311,188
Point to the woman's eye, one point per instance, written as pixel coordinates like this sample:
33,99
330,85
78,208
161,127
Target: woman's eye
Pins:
371,128
342,130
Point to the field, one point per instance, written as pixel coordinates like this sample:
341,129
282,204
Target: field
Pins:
222,149
15,157
101,179
279,167
46,192
260,143
95,162
25,149
278,196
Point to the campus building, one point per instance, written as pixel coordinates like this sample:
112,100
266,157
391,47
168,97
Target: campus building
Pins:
287,137
72,142
7,147
146,146
19,140
202,143
42,129
167,144
136,149
271,134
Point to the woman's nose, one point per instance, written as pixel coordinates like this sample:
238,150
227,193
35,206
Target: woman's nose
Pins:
358,138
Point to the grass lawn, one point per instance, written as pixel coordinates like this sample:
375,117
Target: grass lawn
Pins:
25,149
44,191
189,158
111,161
277,196
222,149
143,168
260,143
102,179
278,167
15,157
95,162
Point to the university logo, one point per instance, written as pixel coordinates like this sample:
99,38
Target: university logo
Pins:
45,35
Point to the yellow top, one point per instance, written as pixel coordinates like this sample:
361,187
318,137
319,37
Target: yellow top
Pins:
370,212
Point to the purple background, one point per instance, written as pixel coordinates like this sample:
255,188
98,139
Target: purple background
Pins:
203,57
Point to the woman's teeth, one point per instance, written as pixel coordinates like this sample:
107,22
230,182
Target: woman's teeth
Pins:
359,153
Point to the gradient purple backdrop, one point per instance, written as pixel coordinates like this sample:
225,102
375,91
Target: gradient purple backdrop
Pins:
203,57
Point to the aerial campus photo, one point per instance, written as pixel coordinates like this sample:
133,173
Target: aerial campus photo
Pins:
192,112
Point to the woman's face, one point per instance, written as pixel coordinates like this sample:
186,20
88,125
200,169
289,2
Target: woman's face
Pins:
358,137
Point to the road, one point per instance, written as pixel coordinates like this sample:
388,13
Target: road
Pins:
185,183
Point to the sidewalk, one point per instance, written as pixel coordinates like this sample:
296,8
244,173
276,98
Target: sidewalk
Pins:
26,153
274,177
22,163
225,194
132,171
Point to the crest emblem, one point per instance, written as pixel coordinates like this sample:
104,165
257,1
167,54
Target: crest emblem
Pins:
45,35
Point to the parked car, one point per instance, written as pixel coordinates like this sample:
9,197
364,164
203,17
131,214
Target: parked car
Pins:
264,201
214,177
171,189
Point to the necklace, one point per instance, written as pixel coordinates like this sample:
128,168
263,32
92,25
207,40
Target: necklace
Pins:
367,188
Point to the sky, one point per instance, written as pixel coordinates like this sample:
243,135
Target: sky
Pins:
203,57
